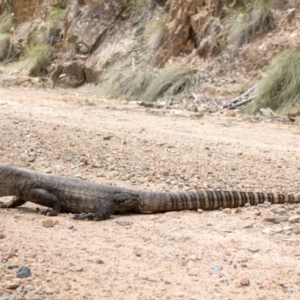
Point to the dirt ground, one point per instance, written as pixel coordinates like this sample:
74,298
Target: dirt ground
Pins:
233,254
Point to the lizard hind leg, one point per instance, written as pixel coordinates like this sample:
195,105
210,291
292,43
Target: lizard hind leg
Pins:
14,202
116,202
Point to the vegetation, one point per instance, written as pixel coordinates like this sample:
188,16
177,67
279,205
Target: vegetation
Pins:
257,19
6,22
280,89
147,84
155,31
136,6
37,59
170,81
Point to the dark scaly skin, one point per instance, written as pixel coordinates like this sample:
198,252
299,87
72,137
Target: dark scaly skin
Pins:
99,201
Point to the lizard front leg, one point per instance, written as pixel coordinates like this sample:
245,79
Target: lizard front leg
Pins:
14,202
120,201
43,197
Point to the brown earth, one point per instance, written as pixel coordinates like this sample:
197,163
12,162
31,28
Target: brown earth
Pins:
176,255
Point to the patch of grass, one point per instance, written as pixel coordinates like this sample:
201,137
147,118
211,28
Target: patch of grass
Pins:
170,81
145,84
6,22
136,6
280,89
57,14
37,59
38,37
131,83
257,19
155,32
3,37
4,46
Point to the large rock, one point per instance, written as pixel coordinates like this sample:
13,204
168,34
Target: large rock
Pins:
192,21
89,32
86,26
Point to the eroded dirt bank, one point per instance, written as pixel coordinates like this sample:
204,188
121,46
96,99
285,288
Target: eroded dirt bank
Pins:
177,255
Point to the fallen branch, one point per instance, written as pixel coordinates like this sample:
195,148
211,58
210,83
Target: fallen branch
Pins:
276,115
239,98
242,102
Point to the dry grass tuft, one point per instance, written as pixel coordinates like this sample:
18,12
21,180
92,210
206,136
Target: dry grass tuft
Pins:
170,81
280,89
257,19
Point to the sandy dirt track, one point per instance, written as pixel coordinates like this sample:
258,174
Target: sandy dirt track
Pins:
176,255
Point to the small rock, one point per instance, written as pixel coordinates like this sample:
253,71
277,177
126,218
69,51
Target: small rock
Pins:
24,272
294,219
296,230
2,236
98,260
253,249
12,285
278,210
238,210
267,230
247,204
277,230
215,270
227,210
250,225
48,223
276,219
107,137
51,291
12,265
265,204
70,226
200,211
123,223
245,282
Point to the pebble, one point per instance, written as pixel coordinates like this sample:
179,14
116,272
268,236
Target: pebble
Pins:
276,219
253,249
24,272
296,230
227,210
98,260
277,230
48,223
123,223
107,137
215,270
278,211
51,291
200,211
265,204
12,285
13,265
2,236
294,219
70,226
267,230
245,282
238,210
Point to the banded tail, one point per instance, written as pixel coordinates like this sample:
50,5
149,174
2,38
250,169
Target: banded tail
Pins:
208,200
